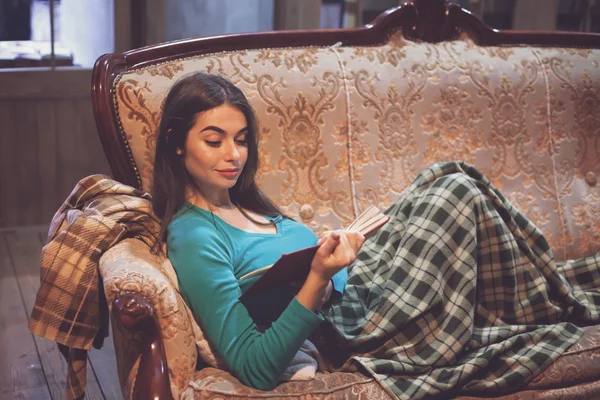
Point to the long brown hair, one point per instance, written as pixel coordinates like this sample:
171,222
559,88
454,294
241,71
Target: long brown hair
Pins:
187,98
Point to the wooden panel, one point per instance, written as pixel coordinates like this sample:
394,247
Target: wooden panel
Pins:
21,374
154,29
292,14
39,83
67,136
8,188
123,26
48,162
25,249
91,151
535,14
26,158
48,142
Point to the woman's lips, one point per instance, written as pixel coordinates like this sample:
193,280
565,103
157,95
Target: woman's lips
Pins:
229,173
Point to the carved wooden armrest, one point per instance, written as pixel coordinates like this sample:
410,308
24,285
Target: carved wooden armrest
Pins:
137,315
154,340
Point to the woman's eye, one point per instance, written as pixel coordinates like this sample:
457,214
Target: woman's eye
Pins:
243,142
213,144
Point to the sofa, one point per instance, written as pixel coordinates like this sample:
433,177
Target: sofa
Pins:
349,117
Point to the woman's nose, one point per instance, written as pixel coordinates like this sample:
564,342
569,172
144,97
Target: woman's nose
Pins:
233,154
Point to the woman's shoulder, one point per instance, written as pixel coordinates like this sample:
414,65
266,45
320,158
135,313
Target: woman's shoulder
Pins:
188,215
188,224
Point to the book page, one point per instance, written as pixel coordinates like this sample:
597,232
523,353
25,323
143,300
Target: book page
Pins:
256,272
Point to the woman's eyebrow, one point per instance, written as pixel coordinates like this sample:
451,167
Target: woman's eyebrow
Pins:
221,131
213,128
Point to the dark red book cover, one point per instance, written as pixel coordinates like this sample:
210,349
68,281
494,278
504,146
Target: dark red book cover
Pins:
291,267
294,267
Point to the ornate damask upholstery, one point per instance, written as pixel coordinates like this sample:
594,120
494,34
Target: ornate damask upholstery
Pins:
525,116
344,126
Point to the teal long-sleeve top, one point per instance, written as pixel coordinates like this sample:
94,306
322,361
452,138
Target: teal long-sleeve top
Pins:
209,256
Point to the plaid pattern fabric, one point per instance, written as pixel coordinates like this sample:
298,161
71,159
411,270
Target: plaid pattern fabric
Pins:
458,293
70,307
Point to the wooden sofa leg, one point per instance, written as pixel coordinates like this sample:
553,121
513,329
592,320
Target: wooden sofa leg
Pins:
137,315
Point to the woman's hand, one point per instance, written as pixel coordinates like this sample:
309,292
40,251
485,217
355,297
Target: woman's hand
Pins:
336,251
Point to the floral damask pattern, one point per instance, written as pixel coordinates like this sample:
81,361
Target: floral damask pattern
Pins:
300,122
425,102
211,383
167,70
578,151
135,110
302,154
392,111
508,134
361,151
180,372
587,216
454,127
445,57
233,66
264,157
302,59
133,99
586,98
583,53
393,54
555,131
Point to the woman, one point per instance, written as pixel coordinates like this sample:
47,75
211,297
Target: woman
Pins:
422,309
218,219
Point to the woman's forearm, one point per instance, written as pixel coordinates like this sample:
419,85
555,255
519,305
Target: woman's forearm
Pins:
312,293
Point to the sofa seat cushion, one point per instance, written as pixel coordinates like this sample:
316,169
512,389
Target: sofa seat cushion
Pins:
581,363
575,375
582,391
211,383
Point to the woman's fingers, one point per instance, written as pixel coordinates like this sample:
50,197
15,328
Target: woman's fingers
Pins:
324,237
348,239
322,240
346,252
356,240
337,249
329,244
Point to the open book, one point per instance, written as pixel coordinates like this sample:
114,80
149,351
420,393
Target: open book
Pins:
294,267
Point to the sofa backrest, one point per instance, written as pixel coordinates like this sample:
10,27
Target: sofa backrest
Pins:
344,125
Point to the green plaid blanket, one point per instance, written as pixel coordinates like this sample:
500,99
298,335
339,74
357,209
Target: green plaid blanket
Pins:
459,293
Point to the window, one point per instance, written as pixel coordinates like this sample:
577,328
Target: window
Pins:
332,14
83,30
561,15
578,15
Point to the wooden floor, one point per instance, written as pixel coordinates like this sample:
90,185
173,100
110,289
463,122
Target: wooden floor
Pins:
31,367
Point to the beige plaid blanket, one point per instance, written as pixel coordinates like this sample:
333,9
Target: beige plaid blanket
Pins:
70,307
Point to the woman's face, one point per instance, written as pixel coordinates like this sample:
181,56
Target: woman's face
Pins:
216,149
